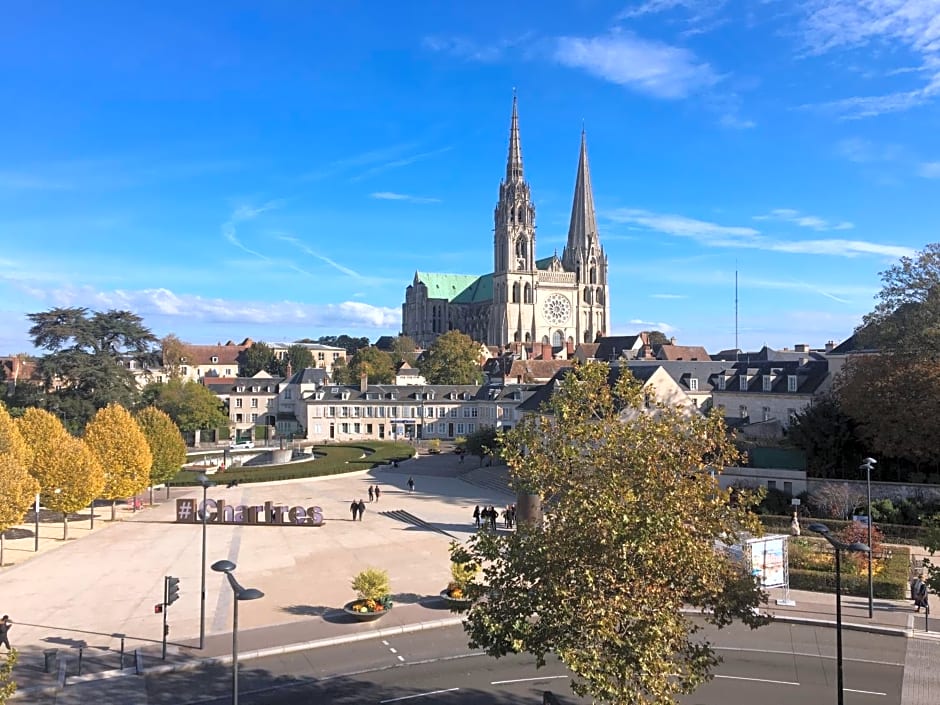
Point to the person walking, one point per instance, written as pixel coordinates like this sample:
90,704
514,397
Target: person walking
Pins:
371,494
5,625
411,484
354,508
493,515
378,493
476,516
362,509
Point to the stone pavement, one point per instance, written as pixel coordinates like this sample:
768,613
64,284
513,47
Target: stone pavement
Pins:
107,583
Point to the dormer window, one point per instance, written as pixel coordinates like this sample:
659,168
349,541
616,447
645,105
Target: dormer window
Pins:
318,395
742,383
213,359
345,395
721,383
768,383
791,383
256,389
239,389
693,384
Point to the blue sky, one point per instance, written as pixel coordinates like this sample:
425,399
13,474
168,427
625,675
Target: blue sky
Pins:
280,170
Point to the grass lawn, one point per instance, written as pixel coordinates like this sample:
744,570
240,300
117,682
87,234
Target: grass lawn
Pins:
332,459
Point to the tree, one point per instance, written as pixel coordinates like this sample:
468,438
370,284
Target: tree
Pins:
121,447
299,358
482,442
350,345
894,398
632,520
828,436
657,337
191,406
371,361
453,358
175,354
87,350
165,442
403,350
69,474
259,356
7,684
17,488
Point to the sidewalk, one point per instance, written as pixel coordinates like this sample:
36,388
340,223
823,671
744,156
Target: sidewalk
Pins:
115,578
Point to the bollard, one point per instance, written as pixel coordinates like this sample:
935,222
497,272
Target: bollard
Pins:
138,662
80,654
49,658
927,615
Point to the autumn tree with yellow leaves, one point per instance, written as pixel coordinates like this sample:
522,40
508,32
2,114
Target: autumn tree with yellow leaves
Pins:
17,488
70,476
121,447
166,445
632,518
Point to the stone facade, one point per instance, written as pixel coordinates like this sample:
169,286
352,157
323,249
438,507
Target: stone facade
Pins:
524,300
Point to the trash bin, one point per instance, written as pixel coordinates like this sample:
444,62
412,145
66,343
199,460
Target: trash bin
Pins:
49,657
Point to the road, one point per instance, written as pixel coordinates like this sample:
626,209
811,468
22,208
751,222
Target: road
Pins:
778,665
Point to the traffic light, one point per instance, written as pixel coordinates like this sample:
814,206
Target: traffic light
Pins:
172,589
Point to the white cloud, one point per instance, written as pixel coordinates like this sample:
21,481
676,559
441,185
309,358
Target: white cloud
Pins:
403,161
814,222
163,302
313,253
647,66
862,151
930,170
637,325
715,235
240,214
392,196
668,296
470,50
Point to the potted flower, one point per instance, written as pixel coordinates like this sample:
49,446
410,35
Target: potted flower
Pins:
462,573
372,592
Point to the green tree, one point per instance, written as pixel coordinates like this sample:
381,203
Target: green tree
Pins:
174,355
165,442
657,337
191,406
69,474
403,350
299,357
350,345
829,438
341,373
629,541
259,356
17,487
7,684
483,442
453,358
371,361
121,447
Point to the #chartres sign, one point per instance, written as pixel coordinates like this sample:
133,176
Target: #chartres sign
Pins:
218,512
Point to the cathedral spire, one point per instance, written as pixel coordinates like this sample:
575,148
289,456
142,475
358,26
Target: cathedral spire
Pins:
514,162
583,228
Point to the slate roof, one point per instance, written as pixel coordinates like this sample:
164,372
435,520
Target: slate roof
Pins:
766,354
310,375
413,393
610,347
683,370
810,376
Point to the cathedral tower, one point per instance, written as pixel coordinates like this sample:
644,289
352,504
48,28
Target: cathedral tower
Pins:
584,256
514,271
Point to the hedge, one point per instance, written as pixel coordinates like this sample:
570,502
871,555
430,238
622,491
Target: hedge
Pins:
891,584
331,460
893,533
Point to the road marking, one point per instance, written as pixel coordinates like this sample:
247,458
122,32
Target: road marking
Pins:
384,642
401,658
418,695
526,680
392,650
863,692
757,680
805,654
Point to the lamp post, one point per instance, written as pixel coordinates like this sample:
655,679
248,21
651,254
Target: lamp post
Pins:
839,546
867,465
36,512
240,593
205,483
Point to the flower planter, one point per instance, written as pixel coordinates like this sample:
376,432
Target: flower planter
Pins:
455,602
362,616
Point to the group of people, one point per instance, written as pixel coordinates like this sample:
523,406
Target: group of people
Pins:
357,509
488,516
374,493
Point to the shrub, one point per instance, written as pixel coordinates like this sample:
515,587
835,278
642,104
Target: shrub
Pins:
371,584
775,502
812,568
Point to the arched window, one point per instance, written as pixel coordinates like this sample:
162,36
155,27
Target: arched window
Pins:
527,294
516,336
528,338
515,293
587,296
557,338
600,295
593,271
544,340
587,336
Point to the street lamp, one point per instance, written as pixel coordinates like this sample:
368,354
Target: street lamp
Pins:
840,546
205,483
241,593
867,466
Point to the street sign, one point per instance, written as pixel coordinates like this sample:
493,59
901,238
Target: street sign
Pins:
158,608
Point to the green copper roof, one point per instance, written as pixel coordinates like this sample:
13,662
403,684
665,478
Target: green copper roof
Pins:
458,288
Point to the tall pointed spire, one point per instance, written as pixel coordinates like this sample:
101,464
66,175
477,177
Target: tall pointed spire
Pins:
514,162
583,228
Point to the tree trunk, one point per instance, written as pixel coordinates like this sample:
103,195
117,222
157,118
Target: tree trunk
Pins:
65,526
151,495
167,490
113,509
529,509
1,548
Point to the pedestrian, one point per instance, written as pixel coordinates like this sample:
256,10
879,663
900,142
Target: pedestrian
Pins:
362,509
354,508
371,493
506,517
920,593
411,484
493,515
476,516
377,493
512,515
5,625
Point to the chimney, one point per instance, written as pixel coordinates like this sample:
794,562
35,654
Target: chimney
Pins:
801,348
569,346
546,352
672,340
830,345
363,382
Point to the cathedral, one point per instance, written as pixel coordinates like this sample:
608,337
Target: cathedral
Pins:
524,299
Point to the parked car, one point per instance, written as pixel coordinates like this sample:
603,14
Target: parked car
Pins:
241,445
